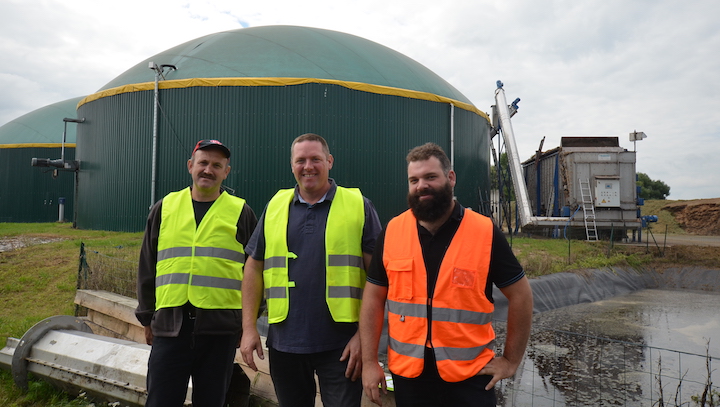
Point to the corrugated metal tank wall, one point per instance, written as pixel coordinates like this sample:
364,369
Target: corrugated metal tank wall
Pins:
549,195
592,165
369,135
472,160
31,194
115,162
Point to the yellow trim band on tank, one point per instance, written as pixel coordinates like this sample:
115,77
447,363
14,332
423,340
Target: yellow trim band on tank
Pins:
40,145
215,82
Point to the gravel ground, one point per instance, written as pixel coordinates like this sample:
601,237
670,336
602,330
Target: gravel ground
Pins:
688,240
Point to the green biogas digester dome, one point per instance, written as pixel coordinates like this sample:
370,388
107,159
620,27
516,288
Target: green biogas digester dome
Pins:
31,194
256,89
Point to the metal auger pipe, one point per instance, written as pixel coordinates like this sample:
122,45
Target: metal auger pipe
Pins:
63,351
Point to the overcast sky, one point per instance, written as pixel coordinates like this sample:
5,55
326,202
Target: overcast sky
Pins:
581,68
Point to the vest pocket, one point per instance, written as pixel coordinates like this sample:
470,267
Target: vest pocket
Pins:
400,275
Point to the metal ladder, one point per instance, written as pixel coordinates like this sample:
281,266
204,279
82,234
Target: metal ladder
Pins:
588,209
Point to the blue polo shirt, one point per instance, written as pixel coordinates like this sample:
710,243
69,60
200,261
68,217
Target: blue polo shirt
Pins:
309,327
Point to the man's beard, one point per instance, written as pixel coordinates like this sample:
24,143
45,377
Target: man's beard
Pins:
433,209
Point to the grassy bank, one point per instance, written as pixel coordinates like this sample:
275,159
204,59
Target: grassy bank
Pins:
665,218
37,279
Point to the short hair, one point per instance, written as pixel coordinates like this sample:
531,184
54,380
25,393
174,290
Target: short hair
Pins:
427,150
310,137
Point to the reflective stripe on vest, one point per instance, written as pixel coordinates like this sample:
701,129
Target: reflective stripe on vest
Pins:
462,335
202,264
201,252
344,268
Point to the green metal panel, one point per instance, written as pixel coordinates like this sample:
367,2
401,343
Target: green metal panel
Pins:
369,135
115,161
472,161
29,194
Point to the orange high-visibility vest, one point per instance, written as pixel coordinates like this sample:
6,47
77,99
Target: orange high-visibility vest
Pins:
462,336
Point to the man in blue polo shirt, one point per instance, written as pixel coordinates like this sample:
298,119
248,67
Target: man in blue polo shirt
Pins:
308,255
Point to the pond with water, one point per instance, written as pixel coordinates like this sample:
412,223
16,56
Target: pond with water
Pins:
629,350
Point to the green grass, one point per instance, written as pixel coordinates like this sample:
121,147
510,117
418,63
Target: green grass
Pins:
38,281
540,257
39,394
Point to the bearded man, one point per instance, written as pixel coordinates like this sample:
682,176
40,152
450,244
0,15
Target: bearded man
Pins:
435,265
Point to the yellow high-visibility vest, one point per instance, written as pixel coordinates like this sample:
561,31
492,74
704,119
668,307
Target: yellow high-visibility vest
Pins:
201,264
344,270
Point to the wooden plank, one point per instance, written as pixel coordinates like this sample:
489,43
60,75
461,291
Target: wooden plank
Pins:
114,305
118,328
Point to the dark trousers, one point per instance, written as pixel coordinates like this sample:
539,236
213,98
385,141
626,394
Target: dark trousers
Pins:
429,390
208,359
294,380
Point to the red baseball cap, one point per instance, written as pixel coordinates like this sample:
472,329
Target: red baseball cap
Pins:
211,143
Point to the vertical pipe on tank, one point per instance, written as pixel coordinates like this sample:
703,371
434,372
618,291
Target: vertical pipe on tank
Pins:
61,209
452,136
538,185
62,145
154,136
75,200
556,187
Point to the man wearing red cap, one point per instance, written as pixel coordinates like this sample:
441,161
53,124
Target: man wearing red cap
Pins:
189,280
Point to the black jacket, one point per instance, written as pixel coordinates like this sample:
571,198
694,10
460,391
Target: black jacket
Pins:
168,321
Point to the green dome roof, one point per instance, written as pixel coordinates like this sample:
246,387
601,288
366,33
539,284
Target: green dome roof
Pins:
41,126
291,52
